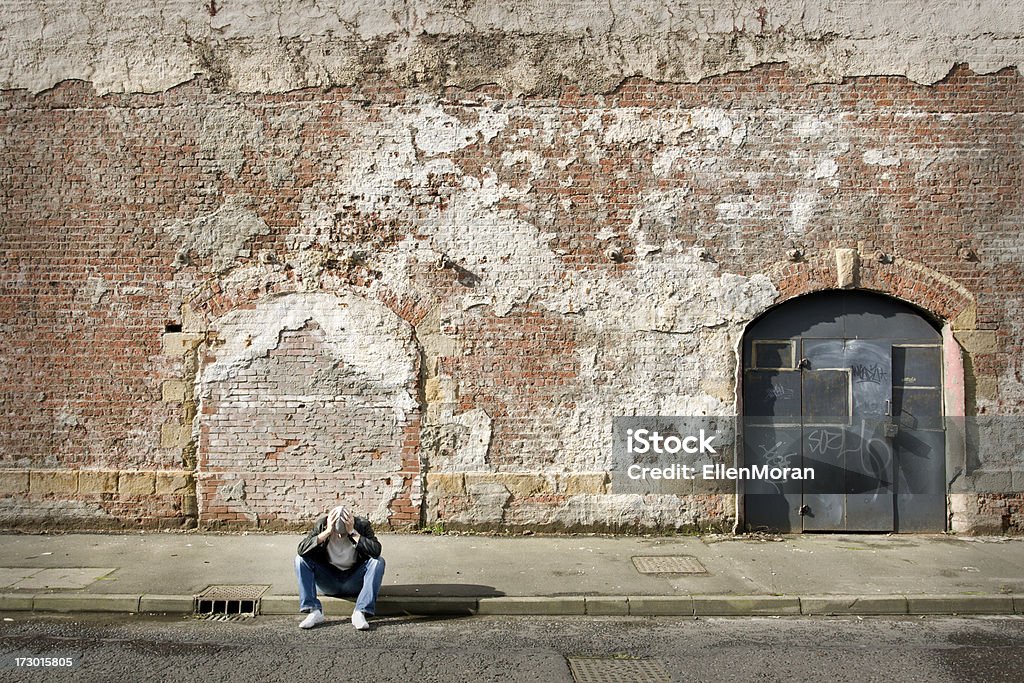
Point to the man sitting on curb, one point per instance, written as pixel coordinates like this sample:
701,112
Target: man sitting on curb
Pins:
341,556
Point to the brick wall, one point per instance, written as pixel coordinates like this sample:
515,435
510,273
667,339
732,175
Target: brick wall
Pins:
560,259
296,431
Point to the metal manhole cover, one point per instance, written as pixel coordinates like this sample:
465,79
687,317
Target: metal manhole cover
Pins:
668,564
613,670
230,599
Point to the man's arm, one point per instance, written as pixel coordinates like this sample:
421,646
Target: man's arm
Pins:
365,539
318,536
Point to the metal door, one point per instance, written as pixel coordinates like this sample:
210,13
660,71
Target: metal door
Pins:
848,384
846,409
920,443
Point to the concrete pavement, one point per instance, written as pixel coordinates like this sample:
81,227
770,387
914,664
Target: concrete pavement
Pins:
449,574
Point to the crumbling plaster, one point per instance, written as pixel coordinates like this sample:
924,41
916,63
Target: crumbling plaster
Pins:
371,339
375,347
673,301
522,45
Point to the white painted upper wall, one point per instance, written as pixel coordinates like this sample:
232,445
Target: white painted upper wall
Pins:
522,45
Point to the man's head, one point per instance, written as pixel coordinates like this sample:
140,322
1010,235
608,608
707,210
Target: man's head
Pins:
339,514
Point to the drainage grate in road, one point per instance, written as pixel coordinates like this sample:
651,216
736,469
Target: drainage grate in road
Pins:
230,600
615,670
668,564
223,617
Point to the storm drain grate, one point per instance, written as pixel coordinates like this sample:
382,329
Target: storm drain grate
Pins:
230,600
615,670
668,564
223,617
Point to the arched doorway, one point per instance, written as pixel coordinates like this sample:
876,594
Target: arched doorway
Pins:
848,383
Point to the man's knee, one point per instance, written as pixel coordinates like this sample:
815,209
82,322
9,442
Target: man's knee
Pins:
301,562
375,564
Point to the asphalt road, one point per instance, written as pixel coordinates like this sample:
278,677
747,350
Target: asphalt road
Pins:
409,650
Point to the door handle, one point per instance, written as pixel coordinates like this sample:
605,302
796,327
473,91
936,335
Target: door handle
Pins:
891,427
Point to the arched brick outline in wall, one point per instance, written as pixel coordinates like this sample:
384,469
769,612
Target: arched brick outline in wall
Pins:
307,400
914,283
972,348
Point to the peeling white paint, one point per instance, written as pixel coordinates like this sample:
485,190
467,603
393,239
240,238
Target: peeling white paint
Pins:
367,336
826,168
279,45
219,236
666,159
635,125
473,446
736,208
801,210
879,157
437,132
812,127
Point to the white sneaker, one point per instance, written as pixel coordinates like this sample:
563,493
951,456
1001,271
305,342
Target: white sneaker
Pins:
359,621
315,617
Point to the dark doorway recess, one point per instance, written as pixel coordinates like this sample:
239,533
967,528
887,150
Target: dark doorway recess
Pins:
850,384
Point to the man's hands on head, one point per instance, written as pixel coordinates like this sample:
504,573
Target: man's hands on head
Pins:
346,518
349,520
332,522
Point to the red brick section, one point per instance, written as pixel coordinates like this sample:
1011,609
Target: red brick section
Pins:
88,283
531,371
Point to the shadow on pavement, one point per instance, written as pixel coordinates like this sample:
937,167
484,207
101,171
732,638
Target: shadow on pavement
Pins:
440,590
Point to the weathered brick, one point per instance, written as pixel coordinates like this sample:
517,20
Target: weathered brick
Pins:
53,482
136,483
14,482
569,290
173,482
97,481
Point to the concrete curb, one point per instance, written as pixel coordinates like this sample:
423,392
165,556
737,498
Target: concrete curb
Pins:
963,604
745,605
668,605
80,602
166,603
857,604
533,605
636,605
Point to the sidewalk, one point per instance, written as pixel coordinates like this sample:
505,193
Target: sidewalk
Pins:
847,574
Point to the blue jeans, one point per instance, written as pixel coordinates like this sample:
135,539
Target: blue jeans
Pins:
362,580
